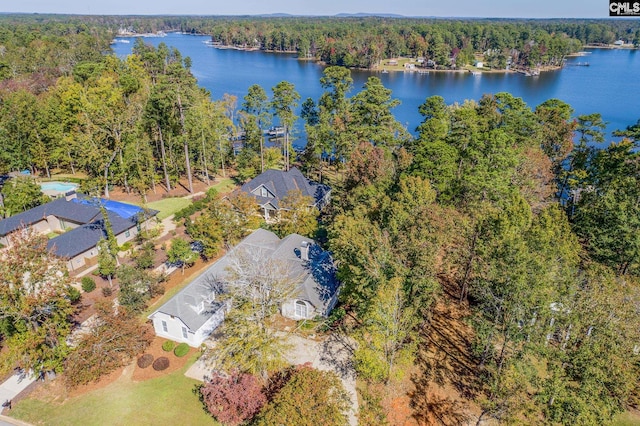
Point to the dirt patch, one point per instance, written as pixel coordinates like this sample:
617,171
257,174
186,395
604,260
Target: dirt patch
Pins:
180,190
446,382
398,404
175,363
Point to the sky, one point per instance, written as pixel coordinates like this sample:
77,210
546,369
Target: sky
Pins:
440,8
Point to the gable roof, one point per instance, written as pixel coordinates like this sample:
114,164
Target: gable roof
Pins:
85,237
81,211
279,183
185,303
60,208
317,277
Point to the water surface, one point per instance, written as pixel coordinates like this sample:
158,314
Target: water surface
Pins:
610,84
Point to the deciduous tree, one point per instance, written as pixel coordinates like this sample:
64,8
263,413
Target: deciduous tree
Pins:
35,310
233,399
311,397
111,341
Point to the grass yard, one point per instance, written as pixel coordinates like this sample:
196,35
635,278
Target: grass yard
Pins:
628,418
225,185
168,206
167,400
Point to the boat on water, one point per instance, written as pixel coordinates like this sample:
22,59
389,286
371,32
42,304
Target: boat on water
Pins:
476,73
385,72
276,131
120,40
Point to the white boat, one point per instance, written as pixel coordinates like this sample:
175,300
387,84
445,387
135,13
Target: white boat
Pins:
276,131
476,73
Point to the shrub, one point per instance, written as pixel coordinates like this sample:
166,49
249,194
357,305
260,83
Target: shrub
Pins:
74,294
88,284
233,399
168,346
145,360
161,363
181,350
145,256
107,291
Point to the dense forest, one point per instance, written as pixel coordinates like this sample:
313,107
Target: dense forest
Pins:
520,218
364,42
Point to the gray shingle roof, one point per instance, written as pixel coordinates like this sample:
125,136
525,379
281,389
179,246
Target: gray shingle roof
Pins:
85,237
60,208
77,240
184,304
279,183
317,277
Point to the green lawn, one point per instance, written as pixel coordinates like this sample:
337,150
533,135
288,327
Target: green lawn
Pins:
627,419
167,400
225,185
168,206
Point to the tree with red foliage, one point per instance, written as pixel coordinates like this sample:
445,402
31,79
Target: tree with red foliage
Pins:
233,399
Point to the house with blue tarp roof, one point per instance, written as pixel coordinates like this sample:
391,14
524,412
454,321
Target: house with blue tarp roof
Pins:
80,223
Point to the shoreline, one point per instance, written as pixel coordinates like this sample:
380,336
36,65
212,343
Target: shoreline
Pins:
420,71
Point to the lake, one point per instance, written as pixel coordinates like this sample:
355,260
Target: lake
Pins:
610,84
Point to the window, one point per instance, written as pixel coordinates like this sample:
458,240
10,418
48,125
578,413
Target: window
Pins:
184,332
263,192
301,309
128,233
164,326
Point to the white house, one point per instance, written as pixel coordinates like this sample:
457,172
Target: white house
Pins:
195,312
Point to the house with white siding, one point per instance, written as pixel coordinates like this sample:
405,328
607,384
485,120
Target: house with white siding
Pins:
196,311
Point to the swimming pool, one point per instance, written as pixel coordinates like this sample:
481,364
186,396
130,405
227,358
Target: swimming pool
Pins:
58,187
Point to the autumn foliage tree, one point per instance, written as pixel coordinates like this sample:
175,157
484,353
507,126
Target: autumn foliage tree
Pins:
110,342
233,399
35,310
296,215
310,397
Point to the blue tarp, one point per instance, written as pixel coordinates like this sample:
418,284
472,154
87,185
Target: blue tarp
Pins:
121,209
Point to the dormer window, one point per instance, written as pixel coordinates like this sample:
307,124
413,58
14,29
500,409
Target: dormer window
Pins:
264,192
200,307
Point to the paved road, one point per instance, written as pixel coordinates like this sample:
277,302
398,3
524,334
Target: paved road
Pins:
14,385
9,389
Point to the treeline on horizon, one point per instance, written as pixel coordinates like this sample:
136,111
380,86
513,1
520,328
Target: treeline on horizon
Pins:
516,215
362,42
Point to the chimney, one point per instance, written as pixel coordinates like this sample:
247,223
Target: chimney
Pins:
304,251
